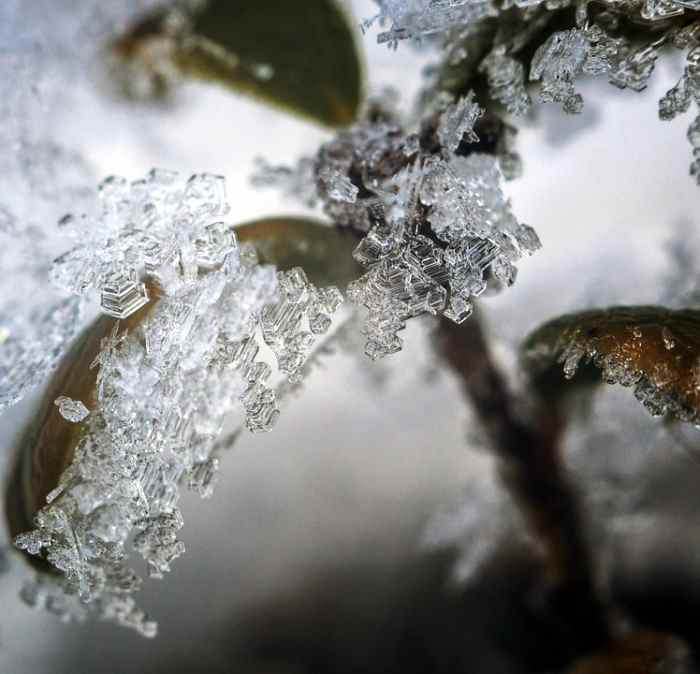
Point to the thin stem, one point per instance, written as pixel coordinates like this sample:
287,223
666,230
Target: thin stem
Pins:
532,470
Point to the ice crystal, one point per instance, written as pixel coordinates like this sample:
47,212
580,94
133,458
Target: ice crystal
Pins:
415,19
436,224
557,63
595,44
457,123
71,410
282,322
678,99
506,78
634,70
122,294
165,387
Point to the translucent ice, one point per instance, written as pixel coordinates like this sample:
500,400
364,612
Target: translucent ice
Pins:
71,410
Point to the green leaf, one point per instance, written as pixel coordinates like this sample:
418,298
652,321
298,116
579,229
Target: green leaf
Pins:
653,349
300,56
323,251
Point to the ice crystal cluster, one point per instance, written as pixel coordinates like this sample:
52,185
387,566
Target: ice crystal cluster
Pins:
49,52
599,41
164,387
435,222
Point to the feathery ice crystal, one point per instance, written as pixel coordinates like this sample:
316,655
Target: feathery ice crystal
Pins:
599,41
435,221
165,388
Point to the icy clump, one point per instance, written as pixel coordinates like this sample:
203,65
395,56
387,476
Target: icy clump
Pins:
435,222
71,410
165,386
569,54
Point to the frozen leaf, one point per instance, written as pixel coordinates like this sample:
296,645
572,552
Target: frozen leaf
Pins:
159,383
654,350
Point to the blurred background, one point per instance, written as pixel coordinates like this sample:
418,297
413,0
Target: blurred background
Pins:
310,556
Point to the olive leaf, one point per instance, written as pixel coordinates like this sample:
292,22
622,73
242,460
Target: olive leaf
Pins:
653,349
323,251
46,449
301,56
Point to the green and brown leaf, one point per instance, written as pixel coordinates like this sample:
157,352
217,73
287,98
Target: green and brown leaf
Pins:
654,349
302,57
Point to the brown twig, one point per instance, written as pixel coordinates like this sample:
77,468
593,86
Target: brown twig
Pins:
532,470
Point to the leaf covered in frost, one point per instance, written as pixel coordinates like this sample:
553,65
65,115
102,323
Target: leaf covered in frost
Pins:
654,350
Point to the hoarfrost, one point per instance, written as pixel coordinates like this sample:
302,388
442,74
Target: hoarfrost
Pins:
597,43
165,387
557,63
506,79
436,224
457,123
